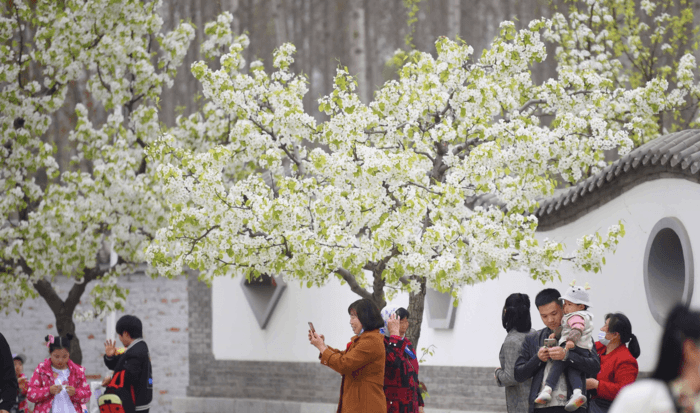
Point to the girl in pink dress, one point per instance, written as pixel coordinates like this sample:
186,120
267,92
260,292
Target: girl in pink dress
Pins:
58,385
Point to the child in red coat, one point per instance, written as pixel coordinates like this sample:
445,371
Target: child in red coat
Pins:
58,384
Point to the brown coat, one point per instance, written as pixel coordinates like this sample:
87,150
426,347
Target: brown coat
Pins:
362,367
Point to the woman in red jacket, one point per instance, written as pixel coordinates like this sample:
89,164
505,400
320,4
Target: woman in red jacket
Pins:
618,349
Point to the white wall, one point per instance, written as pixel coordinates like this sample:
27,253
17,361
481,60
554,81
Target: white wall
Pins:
477,336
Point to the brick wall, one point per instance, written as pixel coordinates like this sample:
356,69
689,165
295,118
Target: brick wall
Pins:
162,306
459,388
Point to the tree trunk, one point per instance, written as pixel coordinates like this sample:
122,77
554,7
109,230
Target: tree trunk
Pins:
63,310
358,56
416,305
453,18
279,17
65,325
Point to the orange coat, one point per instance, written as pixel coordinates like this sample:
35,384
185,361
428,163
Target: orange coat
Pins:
362,367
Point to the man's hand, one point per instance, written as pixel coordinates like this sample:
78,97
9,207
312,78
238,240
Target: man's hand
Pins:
570,345
543,354
552,335
70,390
557,353
110,349
592,384
55,389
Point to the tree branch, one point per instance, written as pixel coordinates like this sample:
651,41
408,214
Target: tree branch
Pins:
352,282
46,291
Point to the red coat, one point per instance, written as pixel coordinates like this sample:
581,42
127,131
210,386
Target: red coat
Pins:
362,367
43,378
617,370
401,385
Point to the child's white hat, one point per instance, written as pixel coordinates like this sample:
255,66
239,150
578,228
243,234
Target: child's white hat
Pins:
577,294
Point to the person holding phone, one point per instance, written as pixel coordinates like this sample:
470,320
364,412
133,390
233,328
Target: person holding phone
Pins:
361,364
401,384
532,362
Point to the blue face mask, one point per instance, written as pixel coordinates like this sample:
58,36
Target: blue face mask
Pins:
602,339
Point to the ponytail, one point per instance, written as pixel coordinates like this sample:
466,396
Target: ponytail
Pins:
59,342
633,346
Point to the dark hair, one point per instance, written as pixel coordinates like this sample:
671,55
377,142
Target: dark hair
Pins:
402,313
130,324
682,324
368,314
619,323
59,342
547,296
18,358
516,313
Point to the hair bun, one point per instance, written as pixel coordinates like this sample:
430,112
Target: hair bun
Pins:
69,336
46,339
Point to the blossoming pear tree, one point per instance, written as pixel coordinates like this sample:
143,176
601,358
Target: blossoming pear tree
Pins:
108,198
381,201
631,43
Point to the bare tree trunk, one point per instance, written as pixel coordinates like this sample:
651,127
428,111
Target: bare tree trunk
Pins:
63,311
454,13
280,23
358,55
416,305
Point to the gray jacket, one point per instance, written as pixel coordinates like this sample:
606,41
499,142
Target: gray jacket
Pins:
516,393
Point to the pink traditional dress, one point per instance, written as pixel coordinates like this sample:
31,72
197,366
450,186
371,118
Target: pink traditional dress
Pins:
46,376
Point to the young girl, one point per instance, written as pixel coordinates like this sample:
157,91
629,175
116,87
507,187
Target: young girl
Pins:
58,385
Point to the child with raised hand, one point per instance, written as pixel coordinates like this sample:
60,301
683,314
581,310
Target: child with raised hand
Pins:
575,334
58,384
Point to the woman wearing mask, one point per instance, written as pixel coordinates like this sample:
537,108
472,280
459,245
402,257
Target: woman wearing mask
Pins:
618,349
58,384
515,318
675,384
361,364
401,384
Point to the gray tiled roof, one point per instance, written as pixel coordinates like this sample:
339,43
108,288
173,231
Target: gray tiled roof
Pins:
675,155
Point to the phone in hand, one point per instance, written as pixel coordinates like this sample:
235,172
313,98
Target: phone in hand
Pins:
311,327
550,342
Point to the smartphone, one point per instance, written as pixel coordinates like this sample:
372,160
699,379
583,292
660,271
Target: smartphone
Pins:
550,342
311,327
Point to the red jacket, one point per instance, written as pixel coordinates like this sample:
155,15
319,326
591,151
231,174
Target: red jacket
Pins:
617,370
43,378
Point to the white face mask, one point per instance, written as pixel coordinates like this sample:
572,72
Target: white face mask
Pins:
602,339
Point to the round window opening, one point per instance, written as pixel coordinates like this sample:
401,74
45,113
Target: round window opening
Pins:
668,268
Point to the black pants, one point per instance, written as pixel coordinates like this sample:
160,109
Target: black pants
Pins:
560,366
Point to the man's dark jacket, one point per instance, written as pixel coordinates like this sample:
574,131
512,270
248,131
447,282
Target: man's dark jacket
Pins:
136,389
8,379
529,365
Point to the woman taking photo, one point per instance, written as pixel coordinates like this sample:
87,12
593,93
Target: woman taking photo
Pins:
618,349
58,384
516,321
675,384
401,384
361,364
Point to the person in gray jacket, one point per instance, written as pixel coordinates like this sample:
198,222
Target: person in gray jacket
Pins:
516,320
